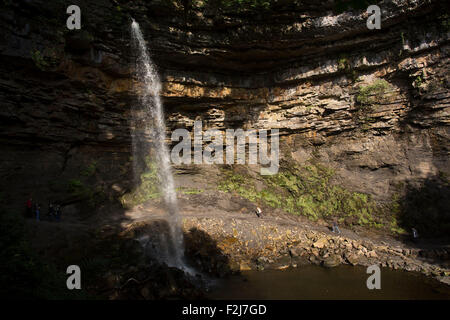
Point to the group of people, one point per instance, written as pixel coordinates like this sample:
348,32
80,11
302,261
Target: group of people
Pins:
33,209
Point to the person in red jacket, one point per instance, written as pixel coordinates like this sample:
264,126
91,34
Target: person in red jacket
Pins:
29,208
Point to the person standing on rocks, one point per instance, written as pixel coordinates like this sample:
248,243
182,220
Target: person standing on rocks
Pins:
335,227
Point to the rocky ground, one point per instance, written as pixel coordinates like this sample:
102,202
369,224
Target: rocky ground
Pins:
280,241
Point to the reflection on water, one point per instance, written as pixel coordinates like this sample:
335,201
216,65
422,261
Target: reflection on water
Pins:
313,282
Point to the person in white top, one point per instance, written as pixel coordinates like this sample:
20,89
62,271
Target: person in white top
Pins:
415,234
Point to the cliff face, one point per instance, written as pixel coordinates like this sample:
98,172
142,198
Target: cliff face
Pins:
372,104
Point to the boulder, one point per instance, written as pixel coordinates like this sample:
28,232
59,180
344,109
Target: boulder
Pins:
283,262
314,260
322,242
352,258
298,261
244,266
234,266
294,252
332,261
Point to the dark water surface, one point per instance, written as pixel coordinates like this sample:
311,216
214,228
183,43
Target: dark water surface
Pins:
313,282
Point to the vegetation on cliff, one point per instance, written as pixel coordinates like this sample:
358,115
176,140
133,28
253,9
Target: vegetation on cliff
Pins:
147,189
83,187
307,191
372,93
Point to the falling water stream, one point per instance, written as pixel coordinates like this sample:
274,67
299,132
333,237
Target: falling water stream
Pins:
153,117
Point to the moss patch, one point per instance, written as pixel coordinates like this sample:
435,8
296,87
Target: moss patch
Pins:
147,190
371,94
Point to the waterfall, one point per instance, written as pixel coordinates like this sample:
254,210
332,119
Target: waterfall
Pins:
153,117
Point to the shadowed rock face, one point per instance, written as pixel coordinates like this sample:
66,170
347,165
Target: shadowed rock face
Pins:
307,70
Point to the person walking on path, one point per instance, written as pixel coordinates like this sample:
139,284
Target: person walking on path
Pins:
38,212
336,227
415,235
58,213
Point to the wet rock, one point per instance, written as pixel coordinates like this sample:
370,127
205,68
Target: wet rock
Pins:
314,260
299,261
283,263
234,266
383,248
244,265
444,279
263,260
315,252
352,258
436,273
260,267
294,252
323,253
331,261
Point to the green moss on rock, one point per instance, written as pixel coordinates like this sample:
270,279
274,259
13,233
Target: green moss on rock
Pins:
147,190
371,94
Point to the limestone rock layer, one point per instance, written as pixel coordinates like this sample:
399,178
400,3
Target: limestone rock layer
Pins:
372,104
